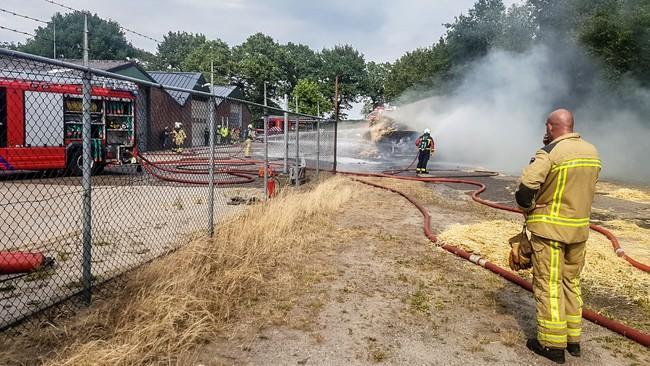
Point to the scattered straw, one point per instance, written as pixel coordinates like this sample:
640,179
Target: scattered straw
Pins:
604,273
169,307
627,194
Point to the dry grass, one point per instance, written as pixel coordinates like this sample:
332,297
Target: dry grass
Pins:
634,239
604,272
186,299
626,194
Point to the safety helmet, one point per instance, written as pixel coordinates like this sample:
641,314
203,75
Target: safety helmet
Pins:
250,126
427,131
177,125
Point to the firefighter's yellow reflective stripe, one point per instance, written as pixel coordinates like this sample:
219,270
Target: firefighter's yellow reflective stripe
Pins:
560,221
576,163
580,166
551,338
549,324
558,207
554,282
555,201
573,318
574,332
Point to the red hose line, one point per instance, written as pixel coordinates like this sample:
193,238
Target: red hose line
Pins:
148,165
620,328
482,187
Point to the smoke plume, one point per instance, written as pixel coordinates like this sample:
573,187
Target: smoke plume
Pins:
495,117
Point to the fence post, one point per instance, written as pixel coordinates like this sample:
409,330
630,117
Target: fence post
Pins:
297,148
87,161
266,147
286,134
318,150
211,168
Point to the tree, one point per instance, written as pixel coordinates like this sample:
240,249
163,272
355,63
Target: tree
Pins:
298,62
174,48
349,65
618,34
418,71
376,83
470,36
10,45
200,58
519,29
258,61
106,41
310,98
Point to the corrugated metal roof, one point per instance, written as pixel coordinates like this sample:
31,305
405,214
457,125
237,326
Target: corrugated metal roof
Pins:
185,80
222,91
106,65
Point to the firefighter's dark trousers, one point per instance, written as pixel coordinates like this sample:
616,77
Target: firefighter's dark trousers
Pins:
423,159
556,286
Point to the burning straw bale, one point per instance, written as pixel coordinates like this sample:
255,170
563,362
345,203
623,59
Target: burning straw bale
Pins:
604,273
169,307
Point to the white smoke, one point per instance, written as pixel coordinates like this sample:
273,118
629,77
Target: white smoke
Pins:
495,118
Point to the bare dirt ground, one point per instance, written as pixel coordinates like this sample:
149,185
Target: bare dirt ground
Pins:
375,290
357,285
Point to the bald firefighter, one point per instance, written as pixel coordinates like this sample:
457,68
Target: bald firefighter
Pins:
556,193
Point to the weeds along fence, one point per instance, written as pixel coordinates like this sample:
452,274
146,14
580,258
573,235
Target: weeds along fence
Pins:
105,167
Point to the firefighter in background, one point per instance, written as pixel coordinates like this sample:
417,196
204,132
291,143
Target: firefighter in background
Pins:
165,138
248,143
556,193
178,137
425,147
224,135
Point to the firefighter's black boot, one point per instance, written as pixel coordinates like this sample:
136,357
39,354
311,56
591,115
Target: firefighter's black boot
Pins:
554,354
573,349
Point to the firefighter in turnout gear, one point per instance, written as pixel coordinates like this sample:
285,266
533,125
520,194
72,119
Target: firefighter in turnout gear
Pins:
556,193
248,143
425,147
178,137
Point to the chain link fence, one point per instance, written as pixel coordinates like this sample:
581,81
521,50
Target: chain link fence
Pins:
102,172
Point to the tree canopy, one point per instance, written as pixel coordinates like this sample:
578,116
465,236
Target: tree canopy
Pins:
106,39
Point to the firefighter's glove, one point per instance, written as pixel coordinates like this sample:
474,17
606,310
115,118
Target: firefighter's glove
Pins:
521,252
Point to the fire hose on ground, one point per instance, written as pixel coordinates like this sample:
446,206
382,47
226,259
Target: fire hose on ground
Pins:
613,325
180,166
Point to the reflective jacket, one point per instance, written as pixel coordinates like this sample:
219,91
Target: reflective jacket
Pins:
561,180
425,143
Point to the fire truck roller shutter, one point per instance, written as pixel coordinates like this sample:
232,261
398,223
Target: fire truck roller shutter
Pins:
43,119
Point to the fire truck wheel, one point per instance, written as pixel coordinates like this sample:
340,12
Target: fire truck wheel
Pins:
75,164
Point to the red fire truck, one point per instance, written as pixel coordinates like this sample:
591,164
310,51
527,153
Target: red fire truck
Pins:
41,124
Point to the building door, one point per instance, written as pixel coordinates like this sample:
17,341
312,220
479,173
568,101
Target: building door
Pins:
3,117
